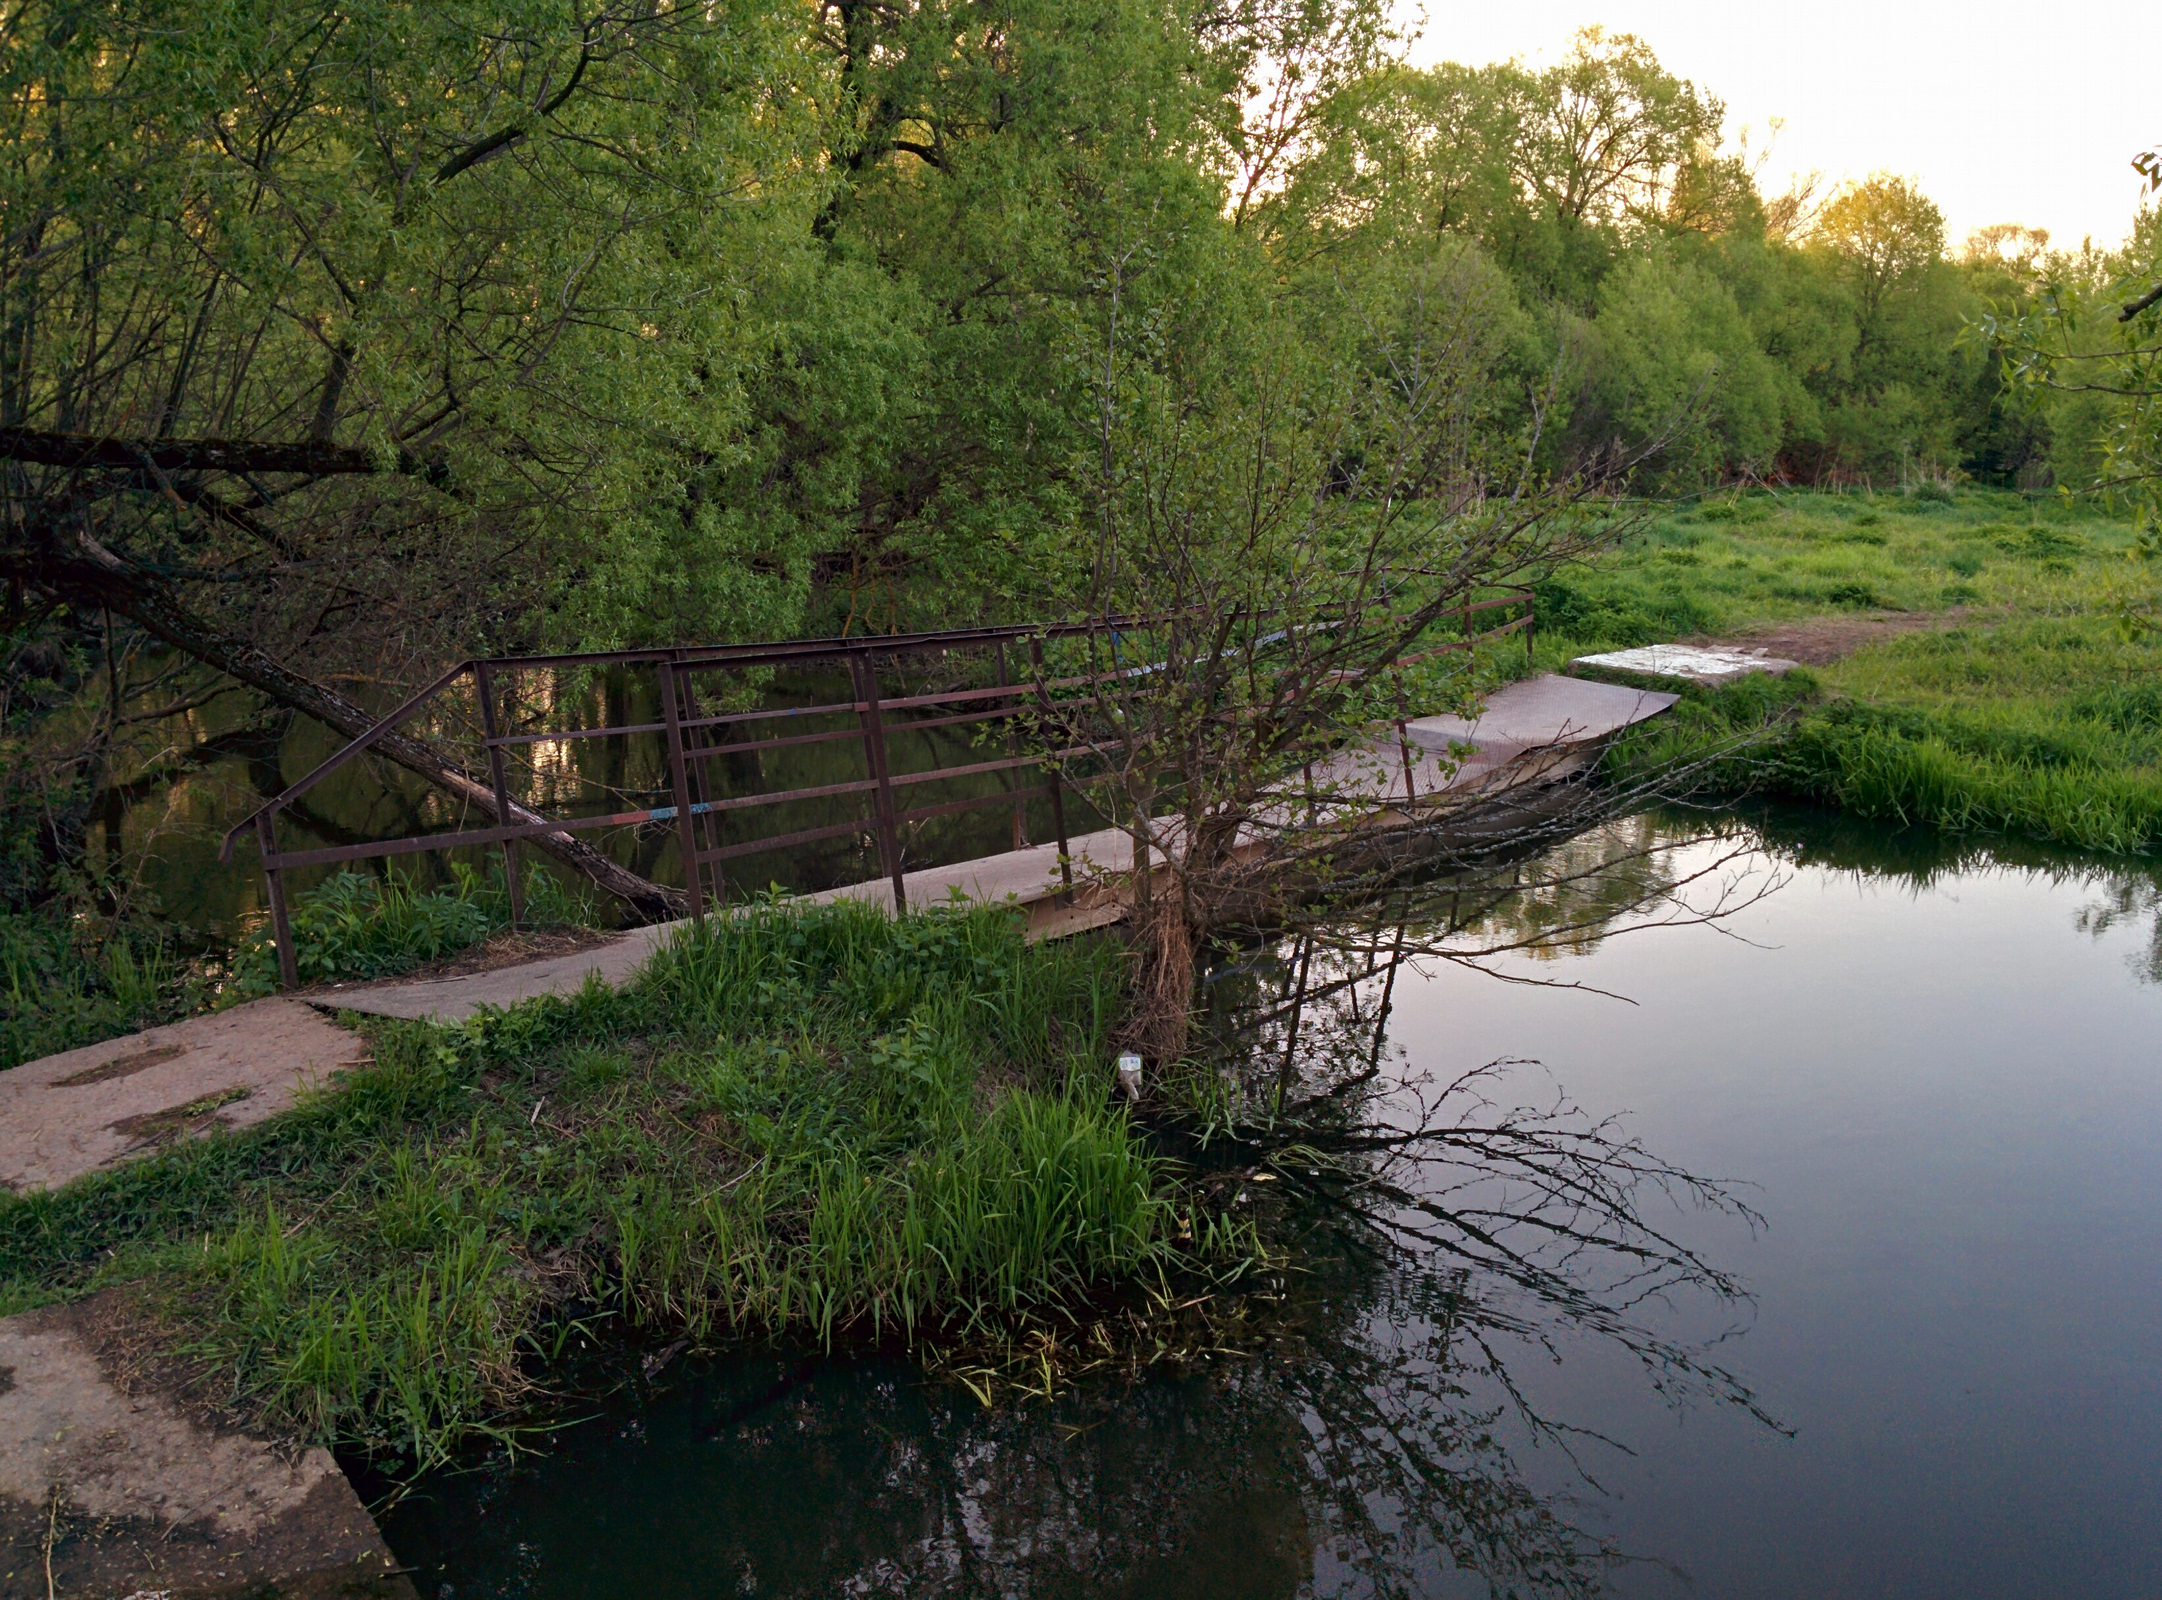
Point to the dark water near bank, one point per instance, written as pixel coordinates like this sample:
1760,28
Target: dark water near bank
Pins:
1938,1079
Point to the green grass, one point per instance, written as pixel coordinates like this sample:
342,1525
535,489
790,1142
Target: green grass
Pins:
2023,706
358,925
806,1124
58,991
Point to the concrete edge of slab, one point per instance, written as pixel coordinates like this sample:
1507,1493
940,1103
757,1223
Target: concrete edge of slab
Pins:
113,1488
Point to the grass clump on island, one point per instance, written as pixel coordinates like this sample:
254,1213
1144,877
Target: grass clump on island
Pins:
807,1124
2019,703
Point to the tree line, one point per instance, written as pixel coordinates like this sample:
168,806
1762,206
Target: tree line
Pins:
337,342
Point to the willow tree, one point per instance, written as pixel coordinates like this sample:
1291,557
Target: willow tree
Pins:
335,339
1285,517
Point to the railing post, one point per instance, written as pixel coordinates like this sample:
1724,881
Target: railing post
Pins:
1403,745
281,929
1531,622
874,751
484,680
697,750
1056,785
1013,750
684,831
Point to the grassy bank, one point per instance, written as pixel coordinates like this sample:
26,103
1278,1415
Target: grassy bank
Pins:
1983,681
69,979
806,1124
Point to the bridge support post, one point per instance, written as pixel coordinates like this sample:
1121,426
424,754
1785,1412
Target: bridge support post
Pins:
1013,751
874,752
484,681
281,928
1057,784
671,691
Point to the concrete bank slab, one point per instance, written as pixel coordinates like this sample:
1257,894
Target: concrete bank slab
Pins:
1693,663
86,1109
455,999
106,1493
1030,877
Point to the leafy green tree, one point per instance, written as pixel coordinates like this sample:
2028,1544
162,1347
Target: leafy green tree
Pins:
2088,341
354,335
1892,405
1679,359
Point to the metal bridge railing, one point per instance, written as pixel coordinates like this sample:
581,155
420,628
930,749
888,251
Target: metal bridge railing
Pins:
695,739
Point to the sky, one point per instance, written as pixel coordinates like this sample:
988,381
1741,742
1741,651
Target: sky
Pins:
2004,113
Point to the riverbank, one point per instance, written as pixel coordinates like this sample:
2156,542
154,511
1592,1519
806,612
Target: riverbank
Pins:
811,1125
1970,665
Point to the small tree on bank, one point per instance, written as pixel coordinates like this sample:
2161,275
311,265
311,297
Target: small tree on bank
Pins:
1268,554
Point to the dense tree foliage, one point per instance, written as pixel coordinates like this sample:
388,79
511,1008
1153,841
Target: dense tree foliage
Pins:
336,341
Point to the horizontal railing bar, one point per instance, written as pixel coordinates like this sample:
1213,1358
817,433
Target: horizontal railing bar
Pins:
955,721
784,841
746,801
934,774
753,746
1000,797
731,718
948,696
782,649
471,836
575,733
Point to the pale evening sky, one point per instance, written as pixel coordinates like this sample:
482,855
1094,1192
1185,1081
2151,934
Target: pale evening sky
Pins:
2005,113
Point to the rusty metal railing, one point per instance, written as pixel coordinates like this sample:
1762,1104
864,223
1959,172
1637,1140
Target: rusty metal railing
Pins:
696,738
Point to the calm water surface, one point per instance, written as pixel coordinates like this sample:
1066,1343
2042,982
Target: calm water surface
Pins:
1938,1080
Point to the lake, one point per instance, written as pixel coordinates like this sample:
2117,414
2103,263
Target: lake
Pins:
1935,1076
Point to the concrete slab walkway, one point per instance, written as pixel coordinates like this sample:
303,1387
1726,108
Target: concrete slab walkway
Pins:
86,1109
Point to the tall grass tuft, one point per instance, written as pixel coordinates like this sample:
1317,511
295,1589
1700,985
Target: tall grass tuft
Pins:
55,993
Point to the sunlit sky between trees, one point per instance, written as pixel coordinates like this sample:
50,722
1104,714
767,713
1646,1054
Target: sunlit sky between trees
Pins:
2005,113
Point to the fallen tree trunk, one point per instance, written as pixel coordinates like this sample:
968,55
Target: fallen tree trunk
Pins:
149,602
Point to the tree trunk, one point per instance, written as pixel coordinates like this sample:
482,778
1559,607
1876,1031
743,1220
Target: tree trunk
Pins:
152,604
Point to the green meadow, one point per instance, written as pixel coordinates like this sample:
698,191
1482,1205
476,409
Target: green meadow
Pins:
1987,673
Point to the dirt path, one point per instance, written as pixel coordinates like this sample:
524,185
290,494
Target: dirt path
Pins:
1819,641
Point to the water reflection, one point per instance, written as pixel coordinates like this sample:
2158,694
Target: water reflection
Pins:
2125,894
1343,1425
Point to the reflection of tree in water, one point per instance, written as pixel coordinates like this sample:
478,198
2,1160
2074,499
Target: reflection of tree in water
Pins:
2127,900
1348,1434
2126,893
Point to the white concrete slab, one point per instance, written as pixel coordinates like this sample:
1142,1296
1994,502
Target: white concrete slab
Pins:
1693,663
